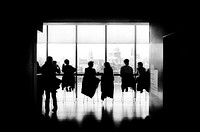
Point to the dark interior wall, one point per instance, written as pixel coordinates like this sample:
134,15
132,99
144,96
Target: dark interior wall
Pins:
156,63
19,68
156,51
180,76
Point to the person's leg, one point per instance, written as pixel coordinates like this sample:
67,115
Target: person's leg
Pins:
126,89
47,92
55,106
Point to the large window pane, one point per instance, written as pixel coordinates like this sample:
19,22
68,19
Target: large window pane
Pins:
120,34
41,53
41,36
91,34
142,34
60,52
117,53
61,34
91,52
143,54
91,46
41,45
142,41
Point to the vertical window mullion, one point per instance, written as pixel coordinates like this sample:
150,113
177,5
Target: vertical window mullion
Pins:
47,41
135,49
76,59
105,43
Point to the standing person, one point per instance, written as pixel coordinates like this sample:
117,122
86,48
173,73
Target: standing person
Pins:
51,83
68,79
107,84
126,73
90,81
140,77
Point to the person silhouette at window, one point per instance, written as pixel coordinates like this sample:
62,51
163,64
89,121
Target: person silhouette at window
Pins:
126,73
68,80
140,77
51,83
57,67
90,81
107,84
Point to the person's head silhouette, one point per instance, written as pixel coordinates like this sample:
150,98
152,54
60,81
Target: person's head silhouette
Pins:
107,65
90,63
126,62
49,59
140,64
66,61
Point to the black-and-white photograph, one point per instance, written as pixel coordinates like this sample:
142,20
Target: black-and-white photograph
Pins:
100,67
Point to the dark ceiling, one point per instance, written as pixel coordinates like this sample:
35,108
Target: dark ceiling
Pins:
169,14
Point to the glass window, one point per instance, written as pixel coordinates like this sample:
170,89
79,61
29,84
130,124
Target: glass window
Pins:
142,34
116,54
60,52
61,34
120,45
91,46
41,36
142,47
91,34
143,54
41,53
91,52
61,43
41,45
120,34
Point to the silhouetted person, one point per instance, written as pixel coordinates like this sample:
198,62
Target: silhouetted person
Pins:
51,83
57,67
126,73
107,82
140,77
90,81
39,69
68,79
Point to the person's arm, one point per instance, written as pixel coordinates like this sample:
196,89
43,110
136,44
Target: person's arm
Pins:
136,73
63,66
121,72
58,69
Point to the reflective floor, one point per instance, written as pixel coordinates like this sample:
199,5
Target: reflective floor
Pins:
123,107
